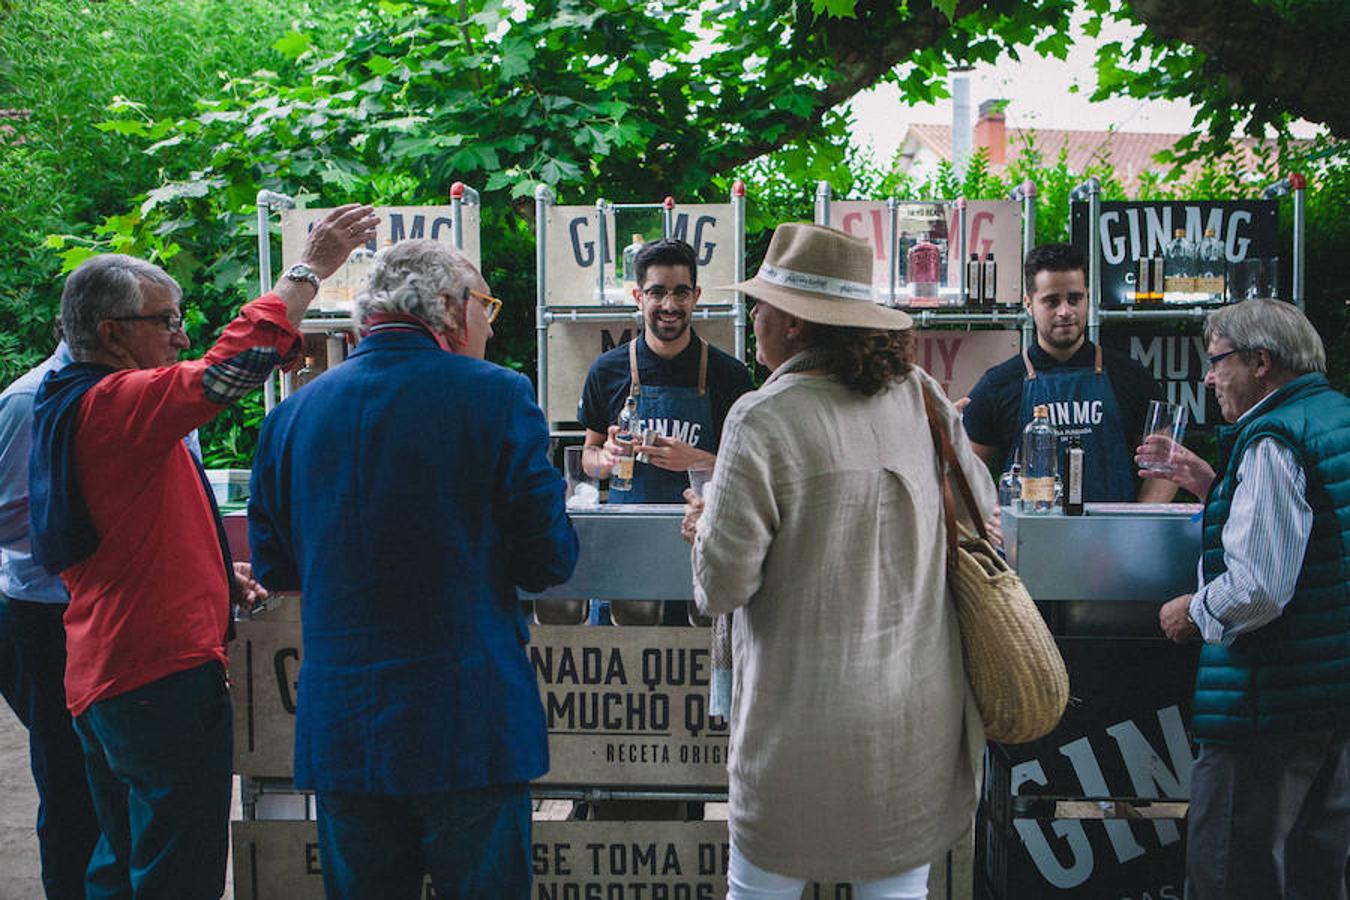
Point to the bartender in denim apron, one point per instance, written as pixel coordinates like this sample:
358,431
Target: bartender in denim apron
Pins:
682,415
1100,402
668,415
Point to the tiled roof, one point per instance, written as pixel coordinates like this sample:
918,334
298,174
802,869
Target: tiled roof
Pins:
1128,153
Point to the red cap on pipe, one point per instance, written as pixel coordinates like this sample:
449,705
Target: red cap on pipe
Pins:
457,191
669,203
1029,188
738,188
1297,182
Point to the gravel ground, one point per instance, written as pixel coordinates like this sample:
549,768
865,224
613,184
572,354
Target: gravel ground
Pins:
19,867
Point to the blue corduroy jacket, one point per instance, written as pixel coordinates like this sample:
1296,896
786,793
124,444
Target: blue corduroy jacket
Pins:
408,493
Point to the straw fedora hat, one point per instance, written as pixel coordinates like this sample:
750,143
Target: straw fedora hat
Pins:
821,275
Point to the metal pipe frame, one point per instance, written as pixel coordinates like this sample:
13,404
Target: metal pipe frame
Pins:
1026,193
927,317
602,247
892,243
738,248
961,251
543,199
1300,186
266,200
1129,313
1091,190
612,314
823,195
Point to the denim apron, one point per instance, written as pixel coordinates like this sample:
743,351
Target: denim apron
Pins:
684,413
1082,405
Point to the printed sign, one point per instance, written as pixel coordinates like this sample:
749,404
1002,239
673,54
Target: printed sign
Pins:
569,861
992,227
625,706
629,706
573,346
1125,738
396,223
1178,361
1131,229
959,359
579,269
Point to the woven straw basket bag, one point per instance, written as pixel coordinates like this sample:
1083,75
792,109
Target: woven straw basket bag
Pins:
1014,668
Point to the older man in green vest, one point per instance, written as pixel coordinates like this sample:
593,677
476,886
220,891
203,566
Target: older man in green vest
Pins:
1270,793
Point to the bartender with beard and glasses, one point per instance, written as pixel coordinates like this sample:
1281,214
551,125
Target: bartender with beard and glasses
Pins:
684,386
1098,396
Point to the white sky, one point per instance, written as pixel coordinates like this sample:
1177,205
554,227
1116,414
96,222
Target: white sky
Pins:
1039,95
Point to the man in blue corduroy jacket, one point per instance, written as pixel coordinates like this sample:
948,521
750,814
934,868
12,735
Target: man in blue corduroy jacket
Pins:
407,494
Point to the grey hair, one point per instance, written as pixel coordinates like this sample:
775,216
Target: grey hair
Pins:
410,277
1275,326
104,287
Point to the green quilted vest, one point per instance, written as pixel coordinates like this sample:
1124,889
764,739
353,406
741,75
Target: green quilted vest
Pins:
1294,673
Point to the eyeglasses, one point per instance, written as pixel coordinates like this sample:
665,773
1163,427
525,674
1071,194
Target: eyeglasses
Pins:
491,305
1220,357
656,293
172,322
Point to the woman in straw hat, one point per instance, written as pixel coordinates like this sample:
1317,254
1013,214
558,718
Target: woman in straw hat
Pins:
854,738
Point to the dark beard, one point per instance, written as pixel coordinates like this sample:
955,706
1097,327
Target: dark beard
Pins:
656,329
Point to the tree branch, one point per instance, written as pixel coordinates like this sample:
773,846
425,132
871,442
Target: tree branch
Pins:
1299,66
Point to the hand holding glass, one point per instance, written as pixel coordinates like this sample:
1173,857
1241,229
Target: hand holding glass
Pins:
1168,420
583,491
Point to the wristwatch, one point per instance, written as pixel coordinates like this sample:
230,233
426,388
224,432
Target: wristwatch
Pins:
302,272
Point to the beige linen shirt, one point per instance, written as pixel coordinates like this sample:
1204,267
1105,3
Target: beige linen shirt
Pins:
855,741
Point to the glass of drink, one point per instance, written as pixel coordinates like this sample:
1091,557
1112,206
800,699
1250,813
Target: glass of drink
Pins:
1168,420
583,491
699,479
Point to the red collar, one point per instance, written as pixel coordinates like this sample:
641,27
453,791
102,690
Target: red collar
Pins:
375,320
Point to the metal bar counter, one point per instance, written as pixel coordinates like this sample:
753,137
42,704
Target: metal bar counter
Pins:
1099,580
628,552
1115,552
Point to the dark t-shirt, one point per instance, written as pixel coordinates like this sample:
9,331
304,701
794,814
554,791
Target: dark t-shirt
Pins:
607,383
994,416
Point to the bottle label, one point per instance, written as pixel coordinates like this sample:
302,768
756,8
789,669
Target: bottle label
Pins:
623,468
1038,490
1075,491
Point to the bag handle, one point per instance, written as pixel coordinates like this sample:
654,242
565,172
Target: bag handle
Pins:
949,468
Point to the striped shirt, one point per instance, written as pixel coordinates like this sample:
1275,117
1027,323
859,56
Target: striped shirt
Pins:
1263,558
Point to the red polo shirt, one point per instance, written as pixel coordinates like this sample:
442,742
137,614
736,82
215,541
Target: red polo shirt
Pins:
154,598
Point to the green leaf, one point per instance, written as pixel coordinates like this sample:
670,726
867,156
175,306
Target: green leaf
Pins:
380,65
292,44
947,8
516,55
839,9
174,191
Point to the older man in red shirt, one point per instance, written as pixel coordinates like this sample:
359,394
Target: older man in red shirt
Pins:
123,511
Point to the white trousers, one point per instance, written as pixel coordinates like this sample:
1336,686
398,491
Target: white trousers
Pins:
746,881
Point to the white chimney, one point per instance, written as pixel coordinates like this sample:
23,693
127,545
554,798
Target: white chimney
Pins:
960,120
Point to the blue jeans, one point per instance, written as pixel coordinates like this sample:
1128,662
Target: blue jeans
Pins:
33,662
473,843
159,762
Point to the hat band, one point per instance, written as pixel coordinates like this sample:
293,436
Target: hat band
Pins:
816,284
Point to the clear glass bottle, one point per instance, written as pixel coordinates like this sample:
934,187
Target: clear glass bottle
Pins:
1040,463
306,374
630,265
1073,478
621,476
989,274
974,280
1010,483
1180,260
1211,267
